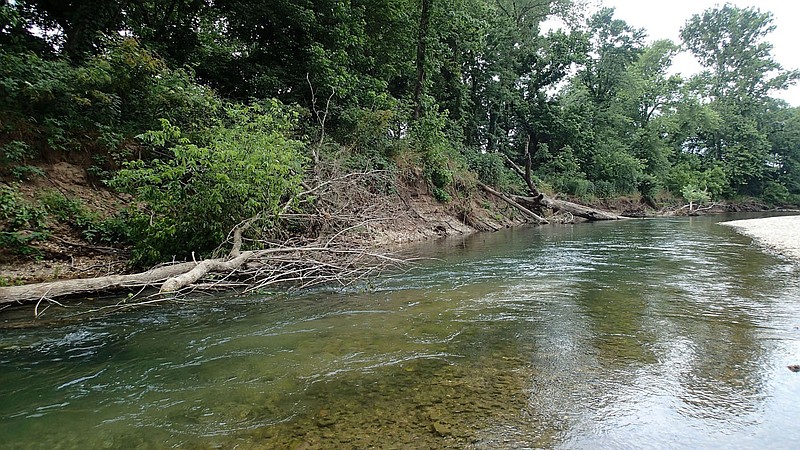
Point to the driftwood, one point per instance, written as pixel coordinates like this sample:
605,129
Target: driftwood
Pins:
331,255
202,269
693,210
575,209
56,289
234,260
538,200
174,277
308,265
515,203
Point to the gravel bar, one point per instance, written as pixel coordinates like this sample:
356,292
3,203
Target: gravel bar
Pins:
778,234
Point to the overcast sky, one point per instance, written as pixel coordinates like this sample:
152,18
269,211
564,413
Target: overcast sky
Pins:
663,19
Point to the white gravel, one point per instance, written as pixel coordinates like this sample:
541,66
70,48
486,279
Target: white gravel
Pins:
778,234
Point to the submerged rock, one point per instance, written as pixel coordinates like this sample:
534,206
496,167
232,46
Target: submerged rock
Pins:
442,429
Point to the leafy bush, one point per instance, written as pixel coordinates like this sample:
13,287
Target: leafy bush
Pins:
98,105
441,195
680,175
440,159
793,199
13,158
189,202
14,152
621,169
693,194
90,224
372,134
556,162
604,189
437,171
22,223
712,180
648,186
575,185
775,193
371,144
489,167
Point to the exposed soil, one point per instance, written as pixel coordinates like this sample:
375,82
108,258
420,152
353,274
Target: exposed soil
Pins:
415,215
409,216
66,255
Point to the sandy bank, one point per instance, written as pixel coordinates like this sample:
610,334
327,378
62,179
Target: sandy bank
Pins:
779,234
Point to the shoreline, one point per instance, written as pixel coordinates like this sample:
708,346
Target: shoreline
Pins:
779,235
421,219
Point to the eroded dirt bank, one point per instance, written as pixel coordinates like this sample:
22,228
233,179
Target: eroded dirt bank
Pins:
411,214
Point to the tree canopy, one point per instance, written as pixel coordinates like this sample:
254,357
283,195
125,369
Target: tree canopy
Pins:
460,82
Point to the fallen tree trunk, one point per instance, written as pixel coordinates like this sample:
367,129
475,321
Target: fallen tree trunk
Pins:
538,200
234,260
514,203
575,209
174,277
283,264
202,269
63,288
305,262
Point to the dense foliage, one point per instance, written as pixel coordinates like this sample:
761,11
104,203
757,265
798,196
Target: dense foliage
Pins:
194,196
452,84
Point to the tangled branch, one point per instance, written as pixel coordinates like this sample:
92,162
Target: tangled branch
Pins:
329,243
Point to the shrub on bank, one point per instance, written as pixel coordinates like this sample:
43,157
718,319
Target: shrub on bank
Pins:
188,201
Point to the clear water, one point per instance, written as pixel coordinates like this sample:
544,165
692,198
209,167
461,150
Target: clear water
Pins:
642,334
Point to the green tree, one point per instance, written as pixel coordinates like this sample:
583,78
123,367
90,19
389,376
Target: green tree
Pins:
729,42
739,76
615,46
649,97
784,138
602,105
189,201
77,27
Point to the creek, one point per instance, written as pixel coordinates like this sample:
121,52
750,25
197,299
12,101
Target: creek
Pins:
638,334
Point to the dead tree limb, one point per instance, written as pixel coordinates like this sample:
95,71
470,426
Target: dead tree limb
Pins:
538,200
202,269
575,209
525,211
270,266
332,249
280,263
63,288
526,174
230,264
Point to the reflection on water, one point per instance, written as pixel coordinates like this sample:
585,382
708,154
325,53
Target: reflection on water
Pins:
638,334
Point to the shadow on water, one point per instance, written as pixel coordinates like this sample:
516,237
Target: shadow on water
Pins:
636,334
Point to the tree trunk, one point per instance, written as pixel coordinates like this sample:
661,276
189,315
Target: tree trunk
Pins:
575,209
63,288
515,203
539,200
174,277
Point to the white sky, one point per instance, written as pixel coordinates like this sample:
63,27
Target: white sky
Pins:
663,19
